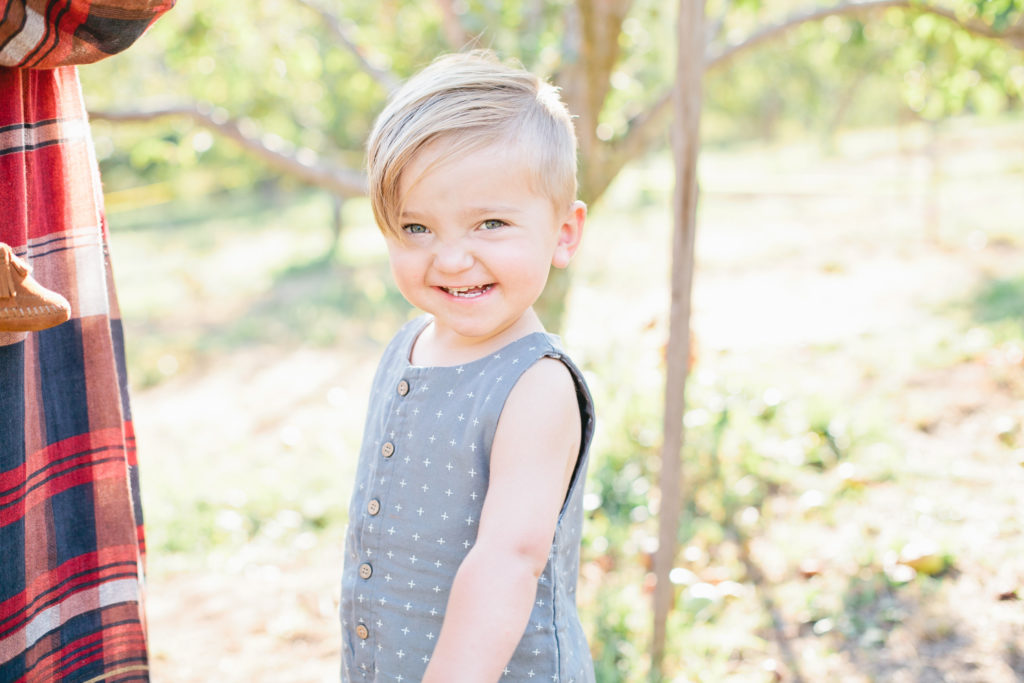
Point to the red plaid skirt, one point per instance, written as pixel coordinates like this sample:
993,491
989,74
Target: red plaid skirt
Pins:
71,542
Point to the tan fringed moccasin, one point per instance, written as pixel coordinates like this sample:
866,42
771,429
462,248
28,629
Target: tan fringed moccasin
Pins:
25,305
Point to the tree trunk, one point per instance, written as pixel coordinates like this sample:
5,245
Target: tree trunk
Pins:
337,224
685,146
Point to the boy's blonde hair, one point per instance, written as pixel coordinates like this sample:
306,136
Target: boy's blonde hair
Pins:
471,100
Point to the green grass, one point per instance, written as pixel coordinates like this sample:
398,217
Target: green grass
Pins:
999,306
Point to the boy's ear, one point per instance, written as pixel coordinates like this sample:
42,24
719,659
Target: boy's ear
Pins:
570,232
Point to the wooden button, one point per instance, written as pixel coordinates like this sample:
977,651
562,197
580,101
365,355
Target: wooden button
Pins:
403,388
362,632
387,450
373,507
365,571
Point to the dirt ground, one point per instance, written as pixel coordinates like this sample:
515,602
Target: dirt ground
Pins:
856,275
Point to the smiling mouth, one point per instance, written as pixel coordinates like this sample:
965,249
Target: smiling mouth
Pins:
467,292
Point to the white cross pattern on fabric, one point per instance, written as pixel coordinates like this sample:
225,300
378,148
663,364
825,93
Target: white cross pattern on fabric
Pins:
412,575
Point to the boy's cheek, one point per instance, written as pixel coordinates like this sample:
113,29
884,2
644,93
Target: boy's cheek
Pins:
398,271
400,256
393,244
407,274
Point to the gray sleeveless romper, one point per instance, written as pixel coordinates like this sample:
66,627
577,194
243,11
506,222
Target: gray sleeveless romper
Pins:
419,489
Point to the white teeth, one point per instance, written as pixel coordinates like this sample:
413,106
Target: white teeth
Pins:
467,292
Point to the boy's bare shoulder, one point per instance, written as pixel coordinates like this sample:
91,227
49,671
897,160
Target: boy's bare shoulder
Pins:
546,389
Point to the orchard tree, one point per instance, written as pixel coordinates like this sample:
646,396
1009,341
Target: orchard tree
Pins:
296,84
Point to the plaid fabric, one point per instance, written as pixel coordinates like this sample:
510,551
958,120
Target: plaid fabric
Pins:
71,543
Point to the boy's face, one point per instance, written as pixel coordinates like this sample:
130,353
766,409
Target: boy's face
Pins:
478,242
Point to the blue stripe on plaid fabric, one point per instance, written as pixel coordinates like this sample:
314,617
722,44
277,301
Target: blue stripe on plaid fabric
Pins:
12,456
63,384
109,34
14,669
12,574
74,522
117,337
135,484
12,407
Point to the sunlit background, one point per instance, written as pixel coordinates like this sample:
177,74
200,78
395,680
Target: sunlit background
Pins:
853,456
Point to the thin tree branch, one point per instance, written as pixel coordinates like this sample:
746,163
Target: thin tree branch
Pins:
687,98
343,32
301,164
1013,35
650,125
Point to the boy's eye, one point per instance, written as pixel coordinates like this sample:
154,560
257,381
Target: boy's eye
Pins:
492,223
415,229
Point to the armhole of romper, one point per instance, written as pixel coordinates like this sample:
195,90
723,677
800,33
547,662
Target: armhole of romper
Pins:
415,328
585,405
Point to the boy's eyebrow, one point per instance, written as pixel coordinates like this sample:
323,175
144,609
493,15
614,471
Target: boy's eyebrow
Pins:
493,209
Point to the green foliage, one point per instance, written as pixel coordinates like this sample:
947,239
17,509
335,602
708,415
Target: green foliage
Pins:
865,71
278,68
947,71
997,13
1001,300
999,305
645,68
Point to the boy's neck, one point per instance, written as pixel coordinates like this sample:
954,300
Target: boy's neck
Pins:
438,347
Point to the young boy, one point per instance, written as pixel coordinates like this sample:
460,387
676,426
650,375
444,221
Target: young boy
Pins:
462,551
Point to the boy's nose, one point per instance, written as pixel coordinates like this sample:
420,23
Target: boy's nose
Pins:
453,257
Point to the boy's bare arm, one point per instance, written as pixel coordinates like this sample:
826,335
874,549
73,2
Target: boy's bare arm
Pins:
534,453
